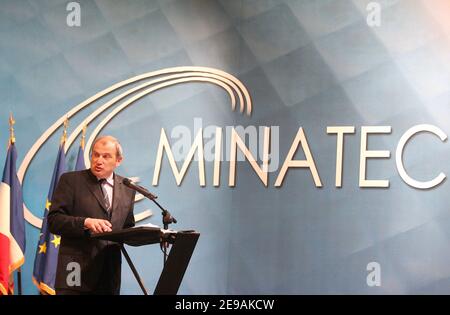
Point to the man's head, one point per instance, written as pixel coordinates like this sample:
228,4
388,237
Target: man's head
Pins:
106,156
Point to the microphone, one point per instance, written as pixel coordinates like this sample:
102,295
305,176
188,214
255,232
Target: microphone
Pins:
127,182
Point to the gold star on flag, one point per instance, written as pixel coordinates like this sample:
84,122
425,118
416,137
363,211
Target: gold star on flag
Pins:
47,205
56,240
43,248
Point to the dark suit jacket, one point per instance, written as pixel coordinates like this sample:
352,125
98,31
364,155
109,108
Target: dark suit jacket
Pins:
78,196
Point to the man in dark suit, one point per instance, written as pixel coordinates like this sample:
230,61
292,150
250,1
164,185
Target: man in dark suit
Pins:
85,202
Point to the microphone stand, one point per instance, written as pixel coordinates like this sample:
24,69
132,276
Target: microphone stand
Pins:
166,216
167,219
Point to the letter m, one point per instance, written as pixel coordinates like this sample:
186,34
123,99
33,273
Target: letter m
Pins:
179,175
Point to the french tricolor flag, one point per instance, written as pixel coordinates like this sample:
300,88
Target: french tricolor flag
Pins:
12,223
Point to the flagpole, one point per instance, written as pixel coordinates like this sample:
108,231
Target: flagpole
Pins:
12,140
64,136
19,281
83,137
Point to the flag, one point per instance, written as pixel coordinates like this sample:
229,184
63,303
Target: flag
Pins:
46,259
12,223
80,165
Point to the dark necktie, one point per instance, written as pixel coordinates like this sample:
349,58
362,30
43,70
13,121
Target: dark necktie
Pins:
102,183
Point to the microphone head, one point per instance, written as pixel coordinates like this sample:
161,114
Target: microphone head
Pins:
126,181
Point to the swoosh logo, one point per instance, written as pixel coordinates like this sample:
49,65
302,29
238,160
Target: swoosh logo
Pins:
143,85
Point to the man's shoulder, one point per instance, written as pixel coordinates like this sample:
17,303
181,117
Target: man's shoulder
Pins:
119,177
71,175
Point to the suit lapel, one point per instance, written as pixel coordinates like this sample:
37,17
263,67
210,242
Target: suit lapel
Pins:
95,189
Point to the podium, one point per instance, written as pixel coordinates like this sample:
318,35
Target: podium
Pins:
183,245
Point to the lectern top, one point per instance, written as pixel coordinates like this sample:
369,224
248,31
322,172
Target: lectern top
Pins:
137,236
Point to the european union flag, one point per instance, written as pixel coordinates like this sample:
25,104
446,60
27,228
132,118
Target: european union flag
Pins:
80,165
46,259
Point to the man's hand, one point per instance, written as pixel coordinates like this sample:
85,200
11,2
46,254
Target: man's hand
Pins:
97,225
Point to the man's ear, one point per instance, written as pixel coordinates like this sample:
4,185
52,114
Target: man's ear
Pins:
119,161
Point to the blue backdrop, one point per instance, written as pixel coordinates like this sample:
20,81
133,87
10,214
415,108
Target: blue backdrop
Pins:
305,63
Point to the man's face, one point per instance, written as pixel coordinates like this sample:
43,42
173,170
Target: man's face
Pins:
104,159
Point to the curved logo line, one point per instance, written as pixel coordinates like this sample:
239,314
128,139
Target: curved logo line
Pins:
165,78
